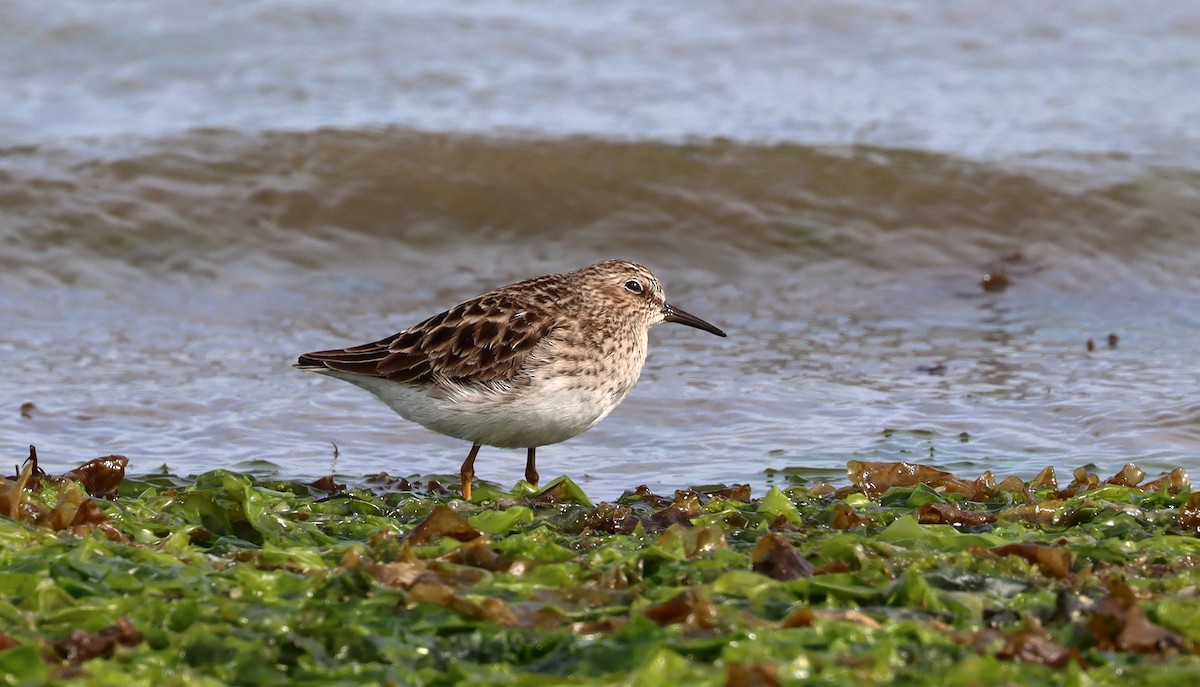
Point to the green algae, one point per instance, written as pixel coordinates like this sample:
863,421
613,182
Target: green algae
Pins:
229,580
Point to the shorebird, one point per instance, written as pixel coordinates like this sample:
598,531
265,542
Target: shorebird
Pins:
522,366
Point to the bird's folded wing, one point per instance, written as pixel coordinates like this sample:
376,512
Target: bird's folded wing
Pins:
486,339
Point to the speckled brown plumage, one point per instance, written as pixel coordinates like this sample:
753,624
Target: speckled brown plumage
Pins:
524,365
485,339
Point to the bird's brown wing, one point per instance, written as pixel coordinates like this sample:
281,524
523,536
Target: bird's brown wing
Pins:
486,339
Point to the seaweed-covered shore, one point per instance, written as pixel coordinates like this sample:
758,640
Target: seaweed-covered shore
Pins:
908,575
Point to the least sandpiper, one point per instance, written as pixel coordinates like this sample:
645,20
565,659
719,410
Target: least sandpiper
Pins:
525,365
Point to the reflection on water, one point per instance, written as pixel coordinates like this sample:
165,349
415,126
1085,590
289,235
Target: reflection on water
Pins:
169,337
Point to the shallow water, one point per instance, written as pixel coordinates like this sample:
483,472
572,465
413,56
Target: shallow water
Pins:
183,210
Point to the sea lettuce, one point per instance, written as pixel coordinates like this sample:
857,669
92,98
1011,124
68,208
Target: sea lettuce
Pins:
906,575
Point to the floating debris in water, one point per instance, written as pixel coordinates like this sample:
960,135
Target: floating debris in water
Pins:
994,281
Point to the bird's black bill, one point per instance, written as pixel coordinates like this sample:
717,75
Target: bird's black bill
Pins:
673,314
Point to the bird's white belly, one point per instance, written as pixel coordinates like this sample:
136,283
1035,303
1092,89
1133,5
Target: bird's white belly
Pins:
551,411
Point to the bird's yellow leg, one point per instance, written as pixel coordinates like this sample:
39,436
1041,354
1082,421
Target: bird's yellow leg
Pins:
531,473
468,472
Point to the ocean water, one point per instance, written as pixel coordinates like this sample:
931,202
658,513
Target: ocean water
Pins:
190,197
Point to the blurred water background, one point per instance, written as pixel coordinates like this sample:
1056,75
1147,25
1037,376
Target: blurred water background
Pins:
192,194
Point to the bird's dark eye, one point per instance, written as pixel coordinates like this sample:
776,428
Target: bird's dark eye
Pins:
633,286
